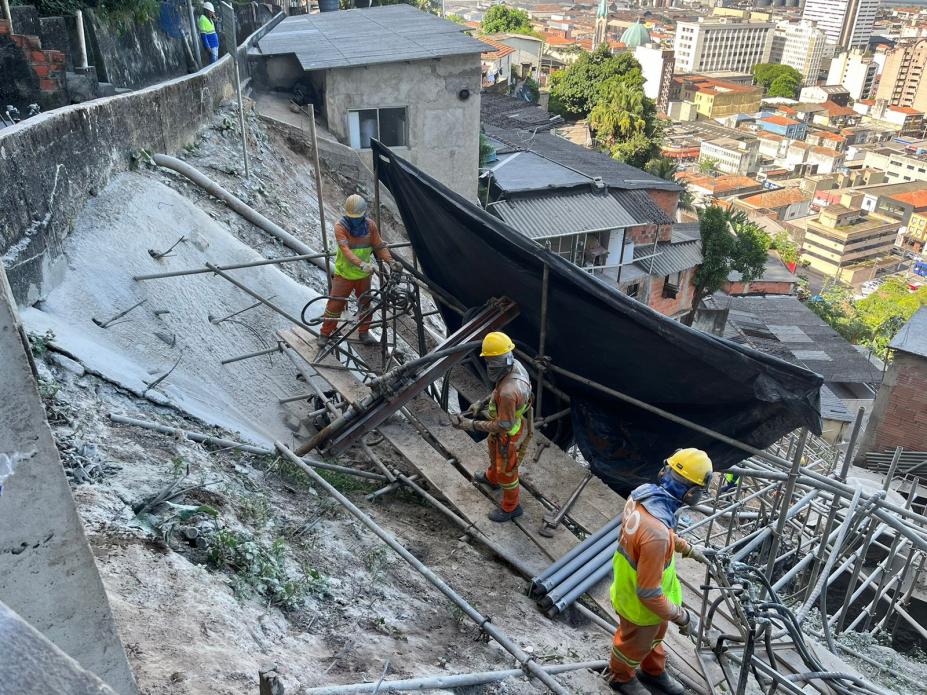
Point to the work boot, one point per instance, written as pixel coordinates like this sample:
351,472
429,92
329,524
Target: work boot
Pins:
483,480
366,339
631,687
499,515
664,683
323,340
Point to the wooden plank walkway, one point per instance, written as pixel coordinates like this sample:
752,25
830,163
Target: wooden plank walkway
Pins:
553,476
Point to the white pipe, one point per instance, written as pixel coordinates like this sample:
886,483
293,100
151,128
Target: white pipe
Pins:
81,40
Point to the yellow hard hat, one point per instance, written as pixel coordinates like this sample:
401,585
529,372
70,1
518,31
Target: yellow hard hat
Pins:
495,344
692,465
355,206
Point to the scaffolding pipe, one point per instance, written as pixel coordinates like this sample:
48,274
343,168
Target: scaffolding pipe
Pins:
527,661
604,557
235,266
445,682
229,444
574,552
249,213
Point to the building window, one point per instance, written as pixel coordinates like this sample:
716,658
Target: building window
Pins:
633,289
386,125
671,285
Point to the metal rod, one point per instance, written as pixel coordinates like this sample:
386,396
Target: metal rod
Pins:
216,322
552,418
229,444
483,622
235,266
258,297
448,682
194,35
388,488
248,356
233,50
552,520
542,344
786,500
318,189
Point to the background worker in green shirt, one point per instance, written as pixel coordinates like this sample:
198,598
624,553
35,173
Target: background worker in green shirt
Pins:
207,28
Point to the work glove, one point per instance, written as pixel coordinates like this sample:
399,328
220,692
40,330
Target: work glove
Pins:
368,267
461,423
395,266
687,622
699,553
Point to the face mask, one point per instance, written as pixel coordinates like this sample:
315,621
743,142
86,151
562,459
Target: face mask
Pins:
498,367
357,226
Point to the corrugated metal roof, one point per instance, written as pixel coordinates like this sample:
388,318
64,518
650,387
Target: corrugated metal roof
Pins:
562,215
348,38
671,258
642,207
526,171
912,337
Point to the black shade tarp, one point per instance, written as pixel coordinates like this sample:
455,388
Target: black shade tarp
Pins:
597,332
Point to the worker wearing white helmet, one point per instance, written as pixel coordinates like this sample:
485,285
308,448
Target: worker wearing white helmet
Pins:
207,28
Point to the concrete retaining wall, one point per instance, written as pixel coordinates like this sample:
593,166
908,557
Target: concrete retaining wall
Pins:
56,160
47,571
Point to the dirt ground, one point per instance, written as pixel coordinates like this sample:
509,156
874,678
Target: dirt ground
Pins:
250,565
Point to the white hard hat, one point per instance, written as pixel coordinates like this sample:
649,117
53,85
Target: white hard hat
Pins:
208,6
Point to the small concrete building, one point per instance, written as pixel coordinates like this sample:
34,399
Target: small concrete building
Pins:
899,414
393,73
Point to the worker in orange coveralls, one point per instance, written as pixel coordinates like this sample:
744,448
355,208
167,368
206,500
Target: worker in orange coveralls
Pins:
645,591
509,424
358,242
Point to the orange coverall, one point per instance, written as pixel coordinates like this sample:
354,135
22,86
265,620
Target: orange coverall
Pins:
510,397
343,287
649,545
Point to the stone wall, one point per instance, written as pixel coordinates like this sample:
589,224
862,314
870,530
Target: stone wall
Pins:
58,159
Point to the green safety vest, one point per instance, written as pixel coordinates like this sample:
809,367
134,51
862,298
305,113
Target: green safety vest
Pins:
348,270
205,25
519,415
624,590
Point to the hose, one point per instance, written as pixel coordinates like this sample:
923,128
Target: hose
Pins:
249,213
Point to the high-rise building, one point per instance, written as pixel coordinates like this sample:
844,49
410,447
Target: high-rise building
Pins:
799,45
901,82
847,23
855,70
711,45
657,65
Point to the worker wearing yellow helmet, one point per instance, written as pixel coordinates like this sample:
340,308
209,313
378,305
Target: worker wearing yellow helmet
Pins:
507,419
359,244
645,590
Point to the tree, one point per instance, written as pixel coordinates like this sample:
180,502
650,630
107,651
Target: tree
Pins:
501,19
768,74
575,90
662,167
708,166
784,86
886,310
729,242
787,249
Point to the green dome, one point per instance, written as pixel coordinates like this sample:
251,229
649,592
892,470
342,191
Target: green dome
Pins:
635,35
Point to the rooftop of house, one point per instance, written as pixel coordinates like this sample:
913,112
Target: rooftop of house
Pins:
912,338
554,40
808,340
511,121
498,50
777,199
827,135
389,34
720,185
551,216
707,85
907,110
837,111
834,89
779,120
917,199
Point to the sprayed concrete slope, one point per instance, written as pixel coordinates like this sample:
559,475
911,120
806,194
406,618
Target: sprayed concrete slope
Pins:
47,571
110,245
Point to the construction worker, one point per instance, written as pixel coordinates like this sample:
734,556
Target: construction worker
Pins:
645,591
509,405
207,28
358,241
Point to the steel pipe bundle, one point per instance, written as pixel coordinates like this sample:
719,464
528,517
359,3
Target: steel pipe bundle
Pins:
576,572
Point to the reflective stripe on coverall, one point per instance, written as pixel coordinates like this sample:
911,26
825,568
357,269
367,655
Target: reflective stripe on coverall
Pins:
645,592
348,277
510,400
